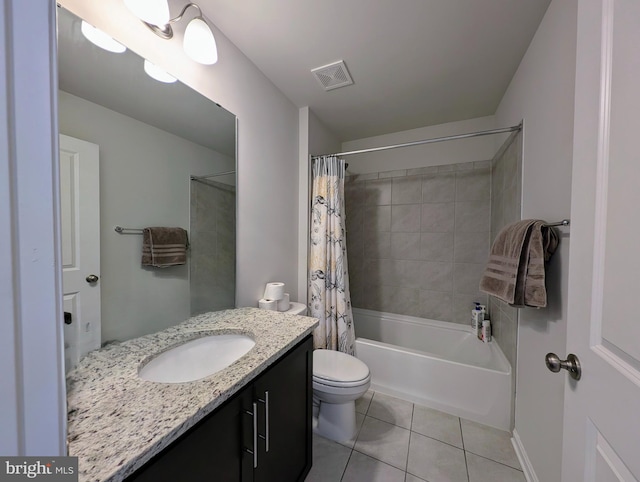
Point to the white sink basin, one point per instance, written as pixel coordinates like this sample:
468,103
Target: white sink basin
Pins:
196,359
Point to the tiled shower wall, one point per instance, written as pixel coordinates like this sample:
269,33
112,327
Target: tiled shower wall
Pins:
418,239
212,238
506,194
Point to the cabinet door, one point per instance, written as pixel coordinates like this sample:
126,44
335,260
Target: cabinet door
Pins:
284,426
211,451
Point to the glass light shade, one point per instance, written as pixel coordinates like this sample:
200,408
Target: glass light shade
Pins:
199,43
101,39
157,73
155,12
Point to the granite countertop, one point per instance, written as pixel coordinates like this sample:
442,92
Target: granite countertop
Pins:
117,421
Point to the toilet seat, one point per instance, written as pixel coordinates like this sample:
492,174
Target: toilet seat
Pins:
319,382
336,369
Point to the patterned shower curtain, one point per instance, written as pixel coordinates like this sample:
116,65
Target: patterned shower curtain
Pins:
329,298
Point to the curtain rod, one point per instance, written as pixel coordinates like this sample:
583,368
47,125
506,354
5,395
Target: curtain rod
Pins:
429,141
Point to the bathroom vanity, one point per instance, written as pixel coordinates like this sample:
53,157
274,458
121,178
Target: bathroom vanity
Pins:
250,421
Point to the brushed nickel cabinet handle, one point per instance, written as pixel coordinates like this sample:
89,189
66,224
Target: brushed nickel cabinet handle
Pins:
266,422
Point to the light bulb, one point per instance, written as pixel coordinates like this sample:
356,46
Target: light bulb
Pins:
157,73
101,39
155,12
199,43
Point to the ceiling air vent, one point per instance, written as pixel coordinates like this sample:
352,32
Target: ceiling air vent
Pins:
333,75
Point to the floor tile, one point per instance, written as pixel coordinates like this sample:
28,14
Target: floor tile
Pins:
436,461
391,409
437,424
362,403
384,441
413,478
362,468
485,470
489,442
359,422
329,460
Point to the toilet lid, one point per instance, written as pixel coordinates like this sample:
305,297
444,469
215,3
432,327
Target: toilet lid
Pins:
335,366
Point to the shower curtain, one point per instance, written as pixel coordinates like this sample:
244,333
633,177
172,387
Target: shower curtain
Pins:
329,299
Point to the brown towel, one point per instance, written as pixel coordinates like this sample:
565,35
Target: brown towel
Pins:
515,272
163,247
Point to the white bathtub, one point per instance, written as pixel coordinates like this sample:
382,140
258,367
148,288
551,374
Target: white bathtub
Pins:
437,364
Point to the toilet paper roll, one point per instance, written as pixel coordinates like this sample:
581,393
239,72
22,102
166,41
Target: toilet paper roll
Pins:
274,291
283,304
271,305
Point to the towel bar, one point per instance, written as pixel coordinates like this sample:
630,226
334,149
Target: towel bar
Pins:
564,222
121,230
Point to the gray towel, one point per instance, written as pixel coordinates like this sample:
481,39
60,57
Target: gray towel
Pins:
164,247
515,272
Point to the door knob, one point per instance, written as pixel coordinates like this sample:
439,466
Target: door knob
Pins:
92,278
571,364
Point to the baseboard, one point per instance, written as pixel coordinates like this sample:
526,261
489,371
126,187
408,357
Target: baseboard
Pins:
525,463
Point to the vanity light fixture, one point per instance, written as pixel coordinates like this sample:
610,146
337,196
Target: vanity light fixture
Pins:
154,12
157,73
101,39
199,43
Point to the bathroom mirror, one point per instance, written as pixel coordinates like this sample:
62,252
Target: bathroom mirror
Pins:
165,156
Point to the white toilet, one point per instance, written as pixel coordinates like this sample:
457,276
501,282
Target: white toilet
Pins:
338,381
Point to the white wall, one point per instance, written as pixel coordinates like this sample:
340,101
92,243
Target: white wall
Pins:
144,181
321,139
450,152
314,139
542,92
267,142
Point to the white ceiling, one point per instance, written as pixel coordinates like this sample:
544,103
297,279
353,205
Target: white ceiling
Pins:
414,62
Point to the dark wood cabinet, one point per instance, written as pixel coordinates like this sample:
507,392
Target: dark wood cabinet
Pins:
285,396
262,434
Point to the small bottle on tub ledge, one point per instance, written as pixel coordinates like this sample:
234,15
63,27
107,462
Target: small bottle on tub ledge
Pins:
486,331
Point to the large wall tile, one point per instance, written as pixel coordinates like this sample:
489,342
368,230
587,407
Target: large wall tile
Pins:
353,192
377,218
466,277
473,185
377,192
438,217
473,216
440,187
436,246
471,247
436,276
406,190
436,305
405,218
405,245
378,246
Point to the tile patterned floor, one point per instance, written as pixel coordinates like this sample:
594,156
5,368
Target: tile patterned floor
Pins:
398,441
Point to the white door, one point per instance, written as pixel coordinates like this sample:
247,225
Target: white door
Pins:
80,224
602,410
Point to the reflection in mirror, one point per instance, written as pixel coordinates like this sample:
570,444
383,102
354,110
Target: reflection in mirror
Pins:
138,153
